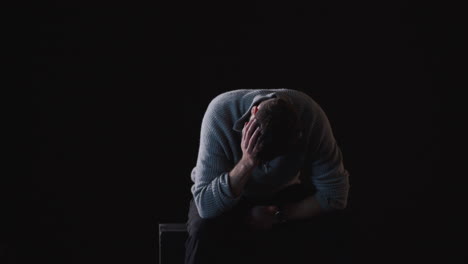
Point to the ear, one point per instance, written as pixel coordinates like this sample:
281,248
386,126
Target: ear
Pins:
254,110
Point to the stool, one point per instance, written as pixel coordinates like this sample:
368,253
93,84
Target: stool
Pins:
172,237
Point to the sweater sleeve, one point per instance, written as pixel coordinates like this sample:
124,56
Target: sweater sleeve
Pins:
211,189
328,174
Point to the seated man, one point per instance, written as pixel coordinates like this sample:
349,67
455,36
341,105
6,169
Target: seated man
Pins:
268,172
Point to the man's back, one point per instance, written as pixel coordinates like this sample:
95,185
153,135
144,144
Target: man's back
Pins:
220,145
234,191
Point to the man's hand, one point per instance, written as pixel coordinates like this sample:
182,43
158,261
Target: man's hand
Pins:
262,217
251,143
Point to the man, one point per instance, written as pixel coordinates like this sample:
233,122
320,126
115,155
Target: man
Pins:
268,168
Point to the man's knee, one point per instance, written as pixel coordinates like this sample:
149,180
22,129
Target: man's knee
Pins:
201,227
220,226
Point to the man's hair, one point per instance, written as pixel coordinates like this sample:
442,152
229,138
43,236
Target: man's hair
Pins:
280,126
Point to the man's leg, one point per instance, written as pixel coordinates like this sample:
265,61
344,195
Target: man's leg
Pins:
217,240
279,245
322,239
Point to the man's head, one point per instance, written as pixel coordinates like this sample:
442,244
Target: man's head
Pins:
279,122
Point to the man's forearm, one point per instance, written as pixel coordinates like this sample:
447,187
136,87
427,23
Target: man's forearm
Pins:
239,176
307,208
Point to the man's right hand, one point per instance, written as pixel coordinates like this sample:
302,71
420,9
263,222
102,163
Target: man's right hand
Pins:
251,143
262,217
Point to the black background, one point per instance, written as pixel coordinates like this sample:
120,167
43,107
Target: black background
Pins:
121,88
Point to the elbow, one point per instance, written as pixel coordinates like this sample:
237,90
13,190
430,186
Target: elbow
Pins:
204,211
204,214
332,200
340,206
337,204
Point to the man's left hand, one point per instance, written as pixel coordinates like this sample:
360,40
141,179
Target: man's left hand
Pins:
262,217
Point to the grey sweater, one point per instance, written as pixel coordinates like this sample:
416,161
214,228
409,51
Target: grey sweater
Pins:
219,151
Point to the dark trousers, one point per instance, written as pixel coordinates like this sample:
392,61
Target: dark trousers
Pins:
227,239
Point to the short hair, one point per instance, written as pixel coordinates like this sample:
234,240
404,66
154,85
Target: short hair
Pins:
280,124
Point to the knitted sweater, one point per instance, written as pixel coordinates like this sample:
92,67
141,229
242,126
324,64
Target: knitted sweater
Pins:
219,151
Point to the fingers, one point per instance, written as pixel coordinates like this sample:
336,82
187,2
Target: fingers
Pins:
259,143
245,140
248,137
247,125
245,130
253,139
251,126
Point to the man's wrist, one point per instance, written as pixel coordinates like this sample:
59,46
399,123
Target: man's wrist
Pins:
239,175
247,164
